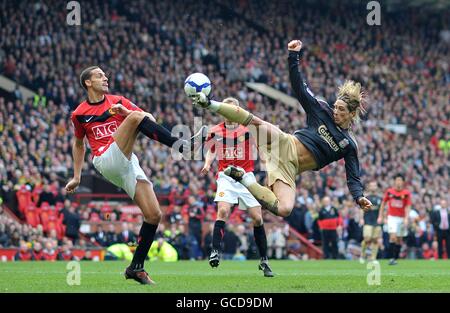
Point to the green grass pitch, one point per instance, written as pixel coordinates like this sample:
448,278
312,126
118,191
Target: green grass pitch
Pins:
229,277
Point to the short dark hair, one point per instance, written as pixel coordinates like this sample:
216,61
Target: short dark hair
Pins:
86,74
399,175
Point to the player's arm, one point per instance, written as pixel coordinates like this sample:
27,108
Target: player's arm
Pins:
407,209
78,152
354,181
381,212
209,159
301,90
210,154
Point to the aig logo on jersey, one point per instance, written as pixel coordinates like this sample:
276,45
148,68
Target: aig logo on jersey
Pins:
234,153
104,130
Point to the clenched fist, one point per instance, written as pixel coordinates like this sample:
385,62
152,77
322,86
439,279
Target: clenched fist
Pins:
295,45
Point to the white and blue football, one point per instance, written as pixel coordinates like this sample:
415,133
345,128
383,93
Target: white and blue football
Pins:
196,83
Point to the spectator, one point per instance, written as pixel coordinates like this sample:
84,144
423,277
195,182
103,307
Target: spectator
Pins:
276,243
4,238
441,222
46,196
66,254
231,243
87,256
24,253
196,215
49,252
125,235
99,236
163,251
37,252
73,222
118,251
329,220
175,217
111,236
428,253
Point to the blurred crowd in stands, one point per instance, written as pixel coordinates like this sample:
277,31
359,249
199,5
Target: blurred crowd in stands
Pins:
148,48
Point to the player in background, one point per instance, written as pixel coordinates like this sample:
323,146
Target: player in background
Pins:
231,144
398,202
327,138
111,125
372,229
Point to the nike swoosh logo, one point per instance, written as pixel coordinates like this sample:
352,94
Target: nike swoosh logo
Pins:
88,119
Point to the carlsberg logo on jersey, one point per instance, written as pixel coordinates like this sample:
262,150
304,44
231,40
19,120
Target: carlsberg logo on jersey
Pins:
323,132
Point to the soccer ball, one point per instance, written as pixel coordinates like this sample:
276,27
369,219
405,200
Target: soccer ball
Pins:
196,83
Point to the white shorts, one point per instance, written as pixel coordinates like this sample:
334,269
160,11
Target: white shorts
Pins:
117,169
231,191
396,226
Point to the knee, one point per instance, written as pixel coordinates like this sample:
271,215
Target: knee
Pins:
284,210
256,121
257,220
222,214
153,217
136,117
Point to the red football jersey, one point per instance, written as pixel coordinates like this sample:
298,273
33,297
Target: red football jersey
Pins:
397,201
97,123
232,146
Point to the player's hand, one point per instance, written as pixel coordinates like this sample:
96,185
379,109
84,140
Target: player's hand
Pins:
205,169
406,222
364,204
295,45
120,109
72,185
379,221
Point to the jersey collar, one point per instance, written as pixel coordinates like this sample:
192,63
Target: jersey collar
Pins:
98,102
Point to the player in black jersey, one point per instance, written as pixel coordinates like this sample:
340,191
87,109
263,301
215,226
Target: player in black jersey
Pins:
371,230
327,138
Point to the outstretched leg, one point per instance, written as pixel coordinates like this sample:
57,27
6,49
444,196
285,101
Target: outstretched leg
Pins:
126,134
264,132
280,200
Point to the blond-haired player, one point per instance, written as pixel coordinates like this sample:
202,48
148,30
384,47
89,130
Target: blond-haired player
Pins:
326,138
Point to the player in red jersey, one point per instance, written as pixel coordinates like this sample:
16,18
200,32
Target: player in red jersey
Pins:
398,200
111,124
231,144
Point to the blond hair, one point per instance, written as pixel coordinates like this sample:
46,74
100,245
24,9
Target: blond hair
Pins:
231,100
350,92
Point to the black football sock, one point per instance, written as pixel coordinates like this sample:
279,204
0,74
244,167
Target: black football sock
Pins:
145,240
398,248
261,240
157,132
392,250
218,232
